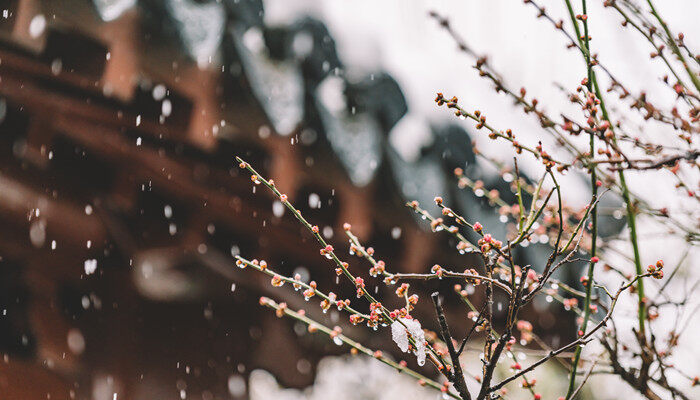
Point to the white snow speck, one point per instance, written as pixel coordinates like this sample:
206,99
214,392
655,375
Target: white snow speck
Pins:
166,108
159,92
37,26
277,209
90,266
314,200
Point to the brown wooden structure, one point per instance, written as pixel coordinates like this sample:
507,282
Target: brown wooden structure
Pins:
91,173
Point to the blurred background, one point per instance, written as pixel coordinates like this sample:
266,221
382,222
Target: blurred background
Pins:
122,205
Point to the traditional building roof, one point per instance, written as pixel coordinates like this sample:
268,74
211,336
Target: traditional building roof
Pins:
122,204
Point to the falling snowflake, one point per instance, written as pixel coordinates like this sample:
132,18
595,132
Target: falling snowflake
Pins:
90,266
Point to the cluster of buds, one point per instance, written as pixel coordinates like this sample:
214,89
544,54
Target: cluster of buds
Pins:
440,100
546,158
510,343
356,319
531,276
445,387
360,285
487,243
377,269
463,292
375,314
529,384
400,313
297,282
481,119
326,303
335,332
436,224
463,246
653,314
339,271
446,211
342,304
493,195
281,307
277,281
569,126
311,291
518,147
482,326
584,280
656,271
475,274
437,270
326,251
570,303
401,290
525,329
